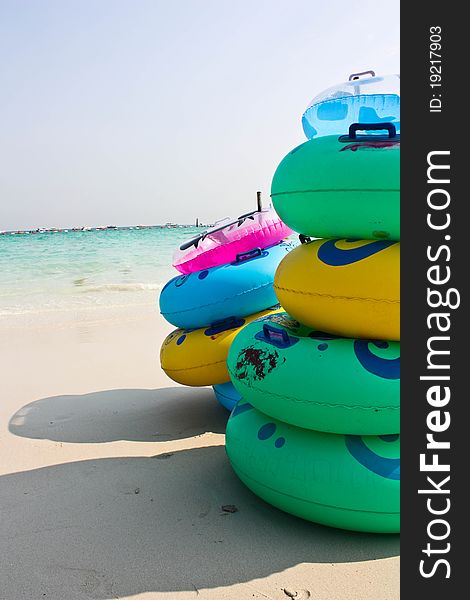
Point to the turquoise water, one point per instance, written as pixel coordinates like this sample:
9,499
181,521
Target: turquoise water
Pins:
83,269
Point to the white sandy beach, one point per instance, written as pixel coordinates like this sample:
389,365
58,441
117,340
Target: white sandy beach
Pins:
113,478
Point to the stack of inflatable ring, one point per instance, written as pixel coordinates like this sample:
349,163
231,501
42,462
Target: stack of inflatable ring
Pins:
316,432
232,286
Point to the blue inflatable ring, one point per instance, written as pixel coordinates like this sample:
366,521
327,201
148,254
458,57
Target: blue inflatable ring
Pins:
226,394
360,100
236,289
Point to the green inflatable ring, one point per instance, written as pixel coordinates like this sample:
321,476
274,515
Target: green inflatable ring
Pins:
329,188
316,380
350,482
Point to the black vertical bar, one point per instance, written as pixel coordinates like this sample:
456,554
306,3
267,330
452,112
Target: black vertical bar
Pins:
435,270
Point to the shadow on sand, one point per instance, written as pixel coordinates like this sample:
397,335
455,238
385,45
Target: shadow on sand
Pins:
135,415
117,527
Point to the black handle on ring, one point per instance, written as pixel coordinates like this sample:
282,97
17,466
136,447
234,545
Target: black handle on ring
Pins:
355,76
305,239
355,127
247,255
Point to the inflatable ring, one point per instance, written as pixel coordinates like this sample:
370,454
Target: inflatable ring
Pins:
346,287
220,245
363,100
226,394
236,289
347,187
291,373
344,481
198,357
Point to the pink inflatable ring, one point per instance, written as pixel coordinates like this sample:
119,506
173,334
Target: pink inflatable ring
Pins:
222,244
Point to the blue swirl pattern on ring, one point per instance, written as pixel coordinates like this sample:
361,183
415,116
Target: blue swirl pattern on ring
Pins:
333,256
380,465
382,367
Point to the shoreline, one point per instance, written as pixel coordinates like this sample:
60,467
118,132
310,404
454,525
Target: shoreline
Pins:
71,316
40,230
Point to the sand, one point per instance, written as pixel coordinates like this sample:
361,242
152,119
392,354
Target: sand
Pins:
112,480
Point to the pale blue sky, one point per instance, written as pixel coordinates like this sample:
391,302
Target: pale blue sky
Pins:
147,111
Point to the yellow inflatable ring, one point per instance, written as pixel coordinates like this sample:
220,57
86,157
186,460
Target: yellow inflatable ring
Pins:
199,356
350,288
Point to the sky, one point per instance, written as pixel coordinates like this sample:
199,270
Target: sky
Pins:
116,112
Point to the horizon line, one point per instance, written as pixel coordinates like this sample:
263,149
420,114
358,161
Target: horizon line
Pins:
168,225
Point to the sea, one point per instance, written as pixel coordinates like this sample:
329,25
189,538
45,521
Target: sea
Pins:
65,271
